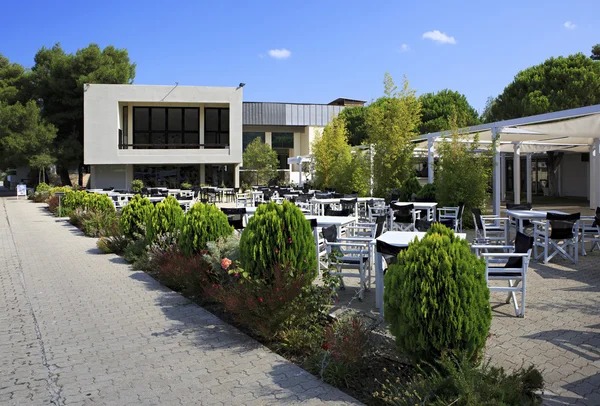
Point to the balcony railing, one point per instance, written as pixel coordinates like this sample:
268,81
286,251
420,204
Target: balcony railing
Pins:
173,146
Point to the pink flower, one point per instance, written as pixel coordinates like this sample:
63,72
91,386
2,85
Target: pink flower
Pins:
260,299
225,263
290,240
237,275
276,251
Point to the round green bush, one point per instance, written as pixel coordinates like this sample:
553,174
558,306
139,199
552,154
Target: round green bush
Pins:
410,187
137,185
43,187
436,298
278,235
201,224
99,203
134,217
428,192
166,218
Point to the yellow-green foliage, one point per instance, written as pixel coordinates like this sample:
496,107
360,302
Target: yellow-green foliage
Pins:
436,298
43,187
278,235
201,224
134,217
166,217
86,201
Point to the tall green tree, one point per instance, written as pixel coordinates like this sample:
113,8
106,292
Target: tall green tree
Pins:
355,117
390,128
12,79
24,136
57,81
438,108
595,52
557,84
262,162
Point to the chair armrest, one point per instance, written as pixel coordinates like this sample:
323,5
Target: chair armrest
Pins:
492,246
505,255
494,218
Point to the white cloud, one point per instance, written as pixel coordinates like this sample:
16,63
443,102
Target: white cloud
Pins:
280,53
404,48
439,37
569,25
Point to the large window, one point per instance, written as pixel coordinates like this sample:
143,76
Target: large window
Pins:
282,140
248,137
167,176
216,127
166,127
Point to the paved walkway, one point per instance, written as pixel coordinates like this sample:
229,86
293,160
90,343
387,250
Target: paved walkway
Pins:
78,327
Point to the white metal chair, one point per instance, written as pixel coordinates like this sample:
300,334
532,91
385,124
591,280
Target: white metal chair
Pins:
590,231
549,234
243,199
451,216
403,217
346,253
487,229
510,267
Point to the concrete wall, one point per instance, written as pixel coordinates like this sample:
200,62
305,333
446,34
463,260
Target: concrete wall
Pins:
574,176
102,121
117,176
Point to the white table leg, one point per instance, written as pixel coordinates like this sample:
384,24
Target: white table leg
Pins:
379,282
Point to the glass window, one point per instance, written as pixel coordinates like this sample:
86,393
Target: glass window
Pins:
157,123
211,117
282,140
224,120
163,127
248,137
283,155
141,119
175,116
125,125
192,122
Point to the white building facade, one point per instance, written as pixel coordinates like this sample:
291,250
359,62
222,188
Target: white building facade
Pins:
167,135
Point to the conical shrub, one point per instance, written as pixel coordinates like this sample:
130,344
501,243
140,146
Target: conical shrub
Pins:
278,235
134,217
436,298
166,218
201,224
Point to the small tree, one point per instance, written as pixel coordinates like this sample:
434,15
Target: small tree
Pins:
436,298
392,122
262,162
166,218
465,172
137,185
134,217
333,157
201,224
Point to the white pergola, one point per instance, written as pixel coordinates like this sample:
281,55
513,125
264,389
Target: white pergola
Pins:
575,130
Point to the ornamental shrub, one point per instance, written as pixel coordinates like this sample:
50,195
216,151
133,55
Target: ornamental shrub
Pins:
410,187
166,217
42,187
436,298
137,185
278,234
134,217
428,192
201,224
186,186
73,200
99,203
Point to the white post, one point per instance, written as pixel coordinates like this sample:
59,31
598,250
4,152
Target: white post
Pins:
300,180
503,176
371,170
528,178
497,174
517,172
430,160
595,174
236,176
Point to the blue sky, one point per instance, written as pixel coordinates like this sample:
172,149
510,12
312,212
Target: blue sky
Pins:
336,49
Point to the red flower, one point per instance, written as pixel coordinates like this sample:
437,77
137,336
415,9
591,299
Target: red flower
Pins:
325,346
260,299
225,263
237,275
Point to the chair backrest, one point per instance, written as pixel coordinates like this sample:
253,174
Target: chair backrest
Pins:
338,213
518,206
387,249
330,233
236,210
523,243
348,204
380,222
597,218
313,223
477,217
236,221
562,225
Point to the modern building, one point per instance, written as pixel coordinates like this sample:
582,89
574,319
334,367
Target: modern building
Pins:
166,135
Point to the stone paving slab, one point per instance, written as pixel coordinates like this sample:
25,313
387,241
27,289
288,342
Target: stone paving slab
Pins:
78,327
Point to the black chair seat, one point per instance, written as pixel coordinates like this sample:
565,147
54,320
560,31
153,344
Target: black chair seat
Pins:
503,274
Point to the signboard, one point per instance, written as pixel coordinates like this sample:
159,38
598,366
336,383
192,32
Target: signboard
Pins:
21,190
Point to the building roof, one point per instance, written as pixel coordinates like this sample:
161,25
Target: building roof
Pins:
342,101
289,114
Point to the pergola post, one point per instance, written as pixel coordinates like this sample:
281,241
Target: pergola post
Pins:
503,176
497,173
517,172
300,180
430,160
528,178
236,176
595,174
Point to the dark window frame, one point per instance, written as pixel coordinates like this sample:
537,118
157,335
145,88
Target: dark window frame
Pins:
166,131
276,134
255,135
220,131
